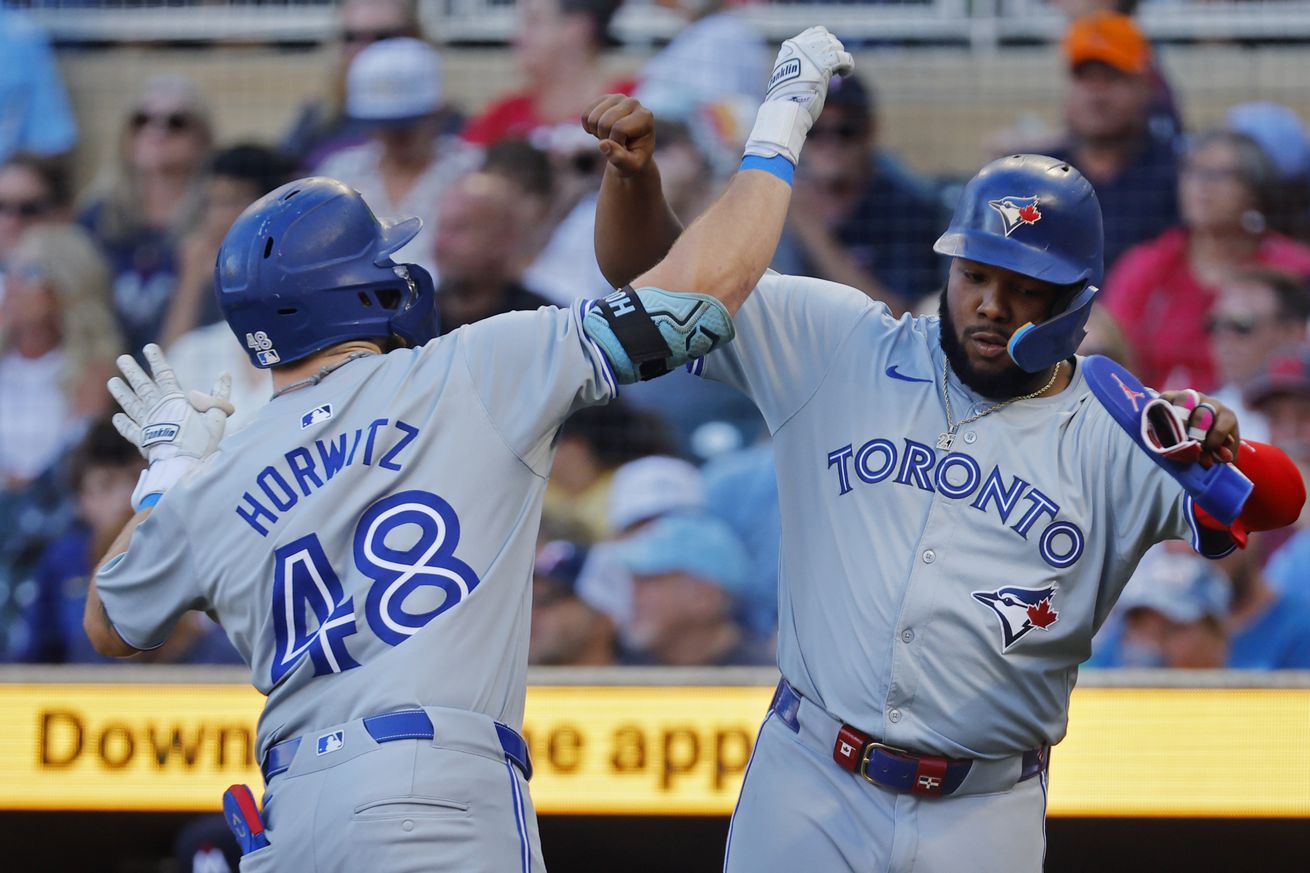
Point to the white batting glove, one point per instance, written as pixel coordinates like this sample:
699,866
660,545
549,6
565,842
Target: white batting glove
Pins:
797,89
172,430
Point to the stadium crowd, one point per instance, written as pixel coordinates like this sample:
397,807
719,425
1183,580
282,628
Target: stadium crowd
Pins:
661,532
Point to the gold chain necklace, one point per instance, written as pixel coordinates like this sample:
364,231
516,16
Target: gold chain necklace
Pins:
947,439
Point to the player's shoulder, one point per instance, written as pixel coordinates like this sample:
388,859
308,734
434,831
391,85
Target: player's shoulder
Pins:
814,298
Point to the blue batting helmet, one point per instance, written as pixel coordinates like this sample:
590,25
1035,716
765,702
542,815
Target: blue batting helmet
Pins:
308,266
1039,217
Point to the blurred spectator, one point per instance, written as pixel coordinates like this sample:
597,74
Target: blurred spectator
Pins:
150,200
57,347
557,46
1108,110
565,269
32,190
1282,135
718,57
529,169
35,115
648,488
1104,337
688,571
566,629
1256,312
593,443
104,470
206,845
238,176
1269,628
479,229
685,172
1173,612
1161,292
323,127
641,492
858,217
741,488
406,166
1281,392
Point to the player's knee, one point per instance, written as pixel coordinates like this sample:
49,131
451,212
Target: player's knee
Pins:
647,332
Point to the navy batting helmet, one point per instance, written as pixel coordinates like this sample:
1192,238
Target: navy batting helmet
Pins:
1039,217
308,266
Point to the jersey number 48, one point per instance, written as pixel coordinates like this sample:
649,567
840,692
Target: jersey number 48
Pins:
311,614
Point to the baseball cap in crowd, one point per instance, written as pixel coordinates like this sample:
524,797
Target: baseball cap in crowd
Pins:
1182,587
849,92
394,81
688,542
1286,371
1108,38
1279,131
653,486
560,560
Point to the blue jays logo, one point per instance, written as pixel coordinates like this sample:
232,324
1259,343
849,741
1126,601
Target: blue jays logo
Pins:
1016,211
1020,610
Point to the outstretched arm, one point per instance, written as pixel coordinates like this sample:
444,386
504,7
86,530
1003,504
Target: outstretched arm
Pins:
681,308
635,227
725,251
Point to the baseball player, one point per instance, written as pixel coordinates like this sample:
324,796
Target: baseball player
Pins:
367,540
960,510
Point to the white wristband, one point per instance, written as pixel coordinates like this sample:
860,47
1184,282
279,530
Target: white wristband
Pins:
159,477
780,129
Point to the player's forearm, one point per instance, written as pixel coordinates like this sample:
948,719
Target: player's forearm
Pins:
726,251
635,227
95,621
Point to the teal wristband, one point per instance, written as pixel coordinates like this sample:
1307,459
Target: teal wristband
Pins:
775,166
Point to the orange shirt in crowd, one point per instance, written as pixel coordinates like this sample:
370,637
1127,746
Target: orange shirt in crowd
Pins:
1162,307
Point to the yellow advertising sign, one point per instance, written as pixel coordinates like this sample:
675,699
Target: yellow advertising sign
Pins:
654,749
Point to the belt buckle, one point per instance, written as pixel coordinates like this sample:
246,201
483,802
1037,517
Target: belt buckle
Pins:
868,753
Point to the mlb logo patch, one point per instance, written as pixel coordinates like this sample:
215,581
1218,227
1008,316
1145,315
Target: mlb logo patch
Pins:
159,433
316,415
268,358
331,742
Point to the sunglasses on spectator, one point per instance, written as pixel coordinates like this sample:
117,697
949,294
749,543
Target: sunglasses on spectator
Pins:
1213,174
1241,325
365,37
24,208
848,132
173,122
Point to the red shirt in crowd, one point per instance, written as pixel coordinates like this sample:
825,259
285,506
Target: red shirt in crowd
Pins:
515,116
1162,307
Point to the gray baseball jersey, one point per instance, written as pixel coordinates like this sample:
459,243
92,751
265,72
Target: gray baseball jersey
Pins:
939,600
367,542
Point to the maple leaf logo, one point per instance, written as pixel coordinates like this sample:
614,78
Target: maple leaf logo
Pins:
1016,211
1042,615
1029,214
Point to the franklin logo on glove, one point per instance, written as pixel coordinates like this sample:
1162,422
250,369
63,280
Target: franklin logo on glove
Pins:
159,433
785,72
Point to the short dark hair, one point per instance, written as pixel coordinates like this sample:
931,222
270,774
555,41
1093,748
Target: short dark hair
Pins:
259,166
522,163
617,433
1290,290
102,446
601,13
53,173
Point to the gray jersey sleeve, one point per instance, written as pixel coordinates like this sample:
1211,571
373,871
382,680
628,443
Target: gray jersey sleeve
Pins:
531,370
148,588
789,331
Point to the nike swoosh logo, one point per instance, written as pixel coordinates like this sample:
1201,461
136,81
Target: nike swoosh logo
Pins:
897,374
